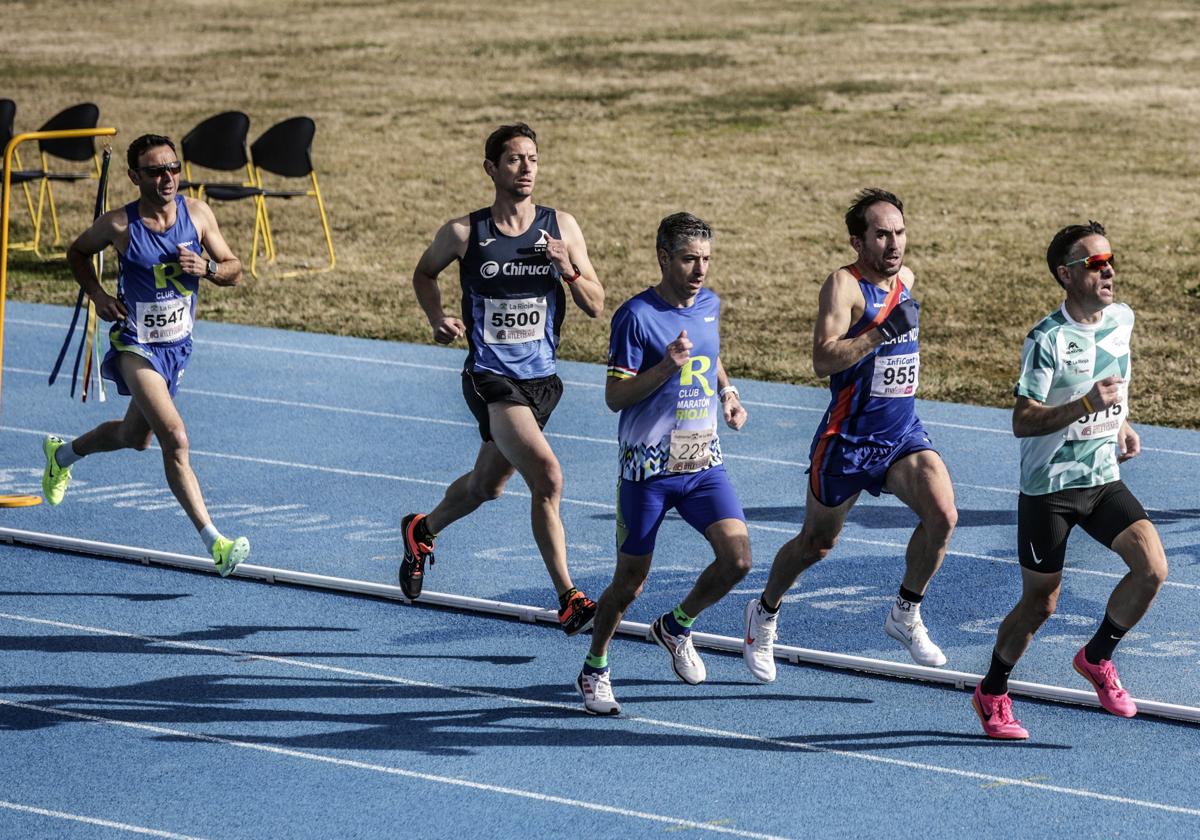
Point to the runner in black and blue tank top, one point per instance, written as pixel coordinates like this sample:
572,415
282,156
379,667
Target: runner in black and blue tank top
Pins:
159,239
517,261
870,439
513,302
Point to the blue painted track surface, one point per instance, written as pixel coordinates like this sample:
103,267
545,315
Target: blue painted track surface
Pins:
179,703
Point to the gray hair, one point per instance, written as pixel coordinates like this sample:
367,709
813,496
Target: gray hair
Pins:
678,229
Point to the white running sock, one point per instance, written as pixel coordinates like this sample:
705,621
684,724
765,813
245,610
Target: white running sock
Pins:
210,535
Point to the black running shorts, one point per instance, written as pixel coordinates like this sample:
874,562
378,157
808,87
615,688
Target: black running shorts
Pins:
1045,522
540,395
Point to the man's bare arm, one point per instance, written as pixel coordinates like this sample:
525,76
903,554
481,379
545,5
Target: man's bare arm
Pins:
587,292
229,267
833,352
110,229
449,244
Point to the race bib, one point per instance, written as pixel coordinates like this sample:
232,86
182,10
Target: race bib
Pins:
514,320
896,376
1100,424
690,450
162,321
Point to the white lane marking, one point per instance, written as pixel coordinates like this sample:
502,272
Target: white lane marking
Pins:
582,503
399,771
387,415
582,384
652,722
62,815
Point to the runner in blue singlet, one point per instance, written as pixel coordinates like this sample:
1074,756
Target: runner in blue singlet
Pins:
870,439
517,261
666,378
160,239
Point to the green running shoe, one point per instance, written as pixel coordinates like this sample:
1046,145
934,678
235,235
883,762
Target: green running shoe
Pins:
227,554
55,479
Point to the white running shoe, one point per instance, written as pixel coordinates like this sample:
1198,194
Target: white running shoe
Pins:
596,691
684,659
758,648
908,629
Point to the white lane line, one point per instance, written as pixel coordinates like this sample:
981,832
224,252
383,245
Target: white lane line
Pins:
387,415
706,731
62,815
393,771
273,462
582,384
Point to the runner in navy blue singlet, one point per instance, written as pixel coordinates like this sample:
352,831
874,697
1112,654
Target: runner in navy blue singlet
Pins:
517,263
160,241
866,342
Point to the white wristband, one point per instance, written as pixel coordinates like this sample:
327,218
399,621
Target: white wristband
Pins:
728,389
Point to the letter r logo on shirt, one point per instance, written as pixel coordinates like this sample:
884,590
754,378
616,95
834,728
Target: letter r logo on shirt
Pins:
170,272
695,368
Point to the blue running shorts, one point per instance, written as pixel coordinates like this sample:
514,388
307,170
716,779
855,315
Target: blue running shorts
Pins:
841,469
169,360
701,498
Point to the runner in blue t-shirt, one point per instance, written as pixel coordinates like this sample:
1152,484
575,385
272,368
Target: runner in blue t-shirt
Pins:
870,438
159,241
514,259
666,378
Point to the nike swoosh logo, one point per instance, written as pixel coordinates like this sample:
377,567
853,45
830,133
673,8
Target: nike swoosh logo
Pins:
486,242
1036,559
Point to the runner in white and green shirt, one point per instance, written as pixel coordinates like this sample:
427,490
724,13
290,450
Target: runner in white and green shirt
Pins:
1071,415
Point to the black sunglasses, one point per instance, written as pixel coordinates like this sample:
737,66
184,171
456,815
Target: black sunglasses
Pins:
157,171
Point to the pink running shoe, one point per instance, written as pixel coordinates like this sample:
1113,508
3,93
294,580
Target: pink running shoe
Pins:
1103,677
995,713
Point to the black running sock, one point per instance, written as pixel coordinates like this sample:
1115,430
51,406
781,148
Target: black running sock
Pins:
910,596
565,597
1105,641
996,680
767,608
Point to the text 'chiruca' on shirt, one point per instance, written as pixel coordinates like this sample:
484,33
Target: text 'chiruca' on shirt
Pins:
512,301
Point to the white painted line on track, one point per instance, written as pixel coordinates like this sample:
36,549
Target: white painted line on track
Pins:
706,731
62,815
581,384
901,547
531,614
387,415
392,770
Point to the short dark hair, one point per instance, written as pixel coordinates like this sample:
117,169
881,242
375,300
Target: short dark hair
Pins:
143,144
678,229
1064,240
494,147
856,216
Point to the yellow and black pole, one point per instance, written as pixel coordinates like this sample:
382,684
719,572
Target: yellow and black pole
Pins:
5,193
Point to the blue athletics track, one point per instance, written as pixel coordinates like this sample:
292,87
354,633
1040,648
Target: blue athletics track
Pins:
148,699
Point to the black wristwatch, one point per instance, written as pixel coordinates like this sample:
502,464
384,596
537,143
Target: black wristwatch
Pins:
212,267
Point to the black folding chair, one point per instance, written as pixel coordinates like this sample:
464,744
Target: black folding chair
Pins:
285,150
217,143
19,175
75,149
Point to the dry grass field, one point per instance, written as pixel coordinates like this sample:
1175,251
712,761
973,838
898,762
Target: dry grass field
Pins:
996,122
